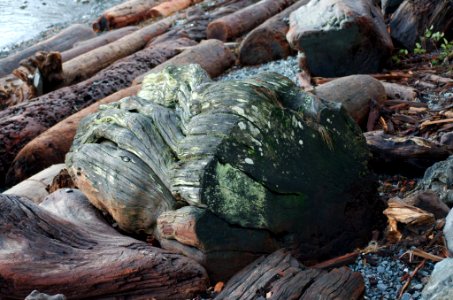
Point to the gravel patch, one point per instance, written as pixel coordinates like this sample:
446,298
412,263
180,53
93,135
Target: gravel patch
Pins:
288,67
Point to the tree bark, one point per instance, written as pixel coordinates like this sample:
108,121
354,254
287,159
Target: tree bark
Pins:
128,13
51,146
235,24
88,45
21,123
281,277
211,55
71,250
86,65
268,42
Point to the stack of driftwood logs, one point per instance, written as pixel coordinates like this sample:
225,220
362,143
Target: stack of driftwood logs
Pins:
214,174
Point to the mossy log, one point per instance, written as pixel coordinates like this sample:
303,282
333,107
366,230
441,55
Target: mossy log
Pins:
235,24
64,246
21,123
259,153
281,277
51,146
60,42
268,42
126,13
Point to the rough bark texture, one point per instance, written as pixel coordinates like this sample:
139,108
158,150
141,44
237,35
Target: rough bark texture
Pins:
88,45
21,123
268,42
127,13
340,37
235,24
211,55
407,155
281,277
171,6
260,154
35,187
413,17
64,246
51,146
86,65
60,42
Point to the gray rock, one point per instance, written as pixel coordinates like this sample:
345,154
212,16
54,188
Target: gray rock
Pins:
36,295
406,296
355,93
340,37
439,286
448,231
439,178
447,139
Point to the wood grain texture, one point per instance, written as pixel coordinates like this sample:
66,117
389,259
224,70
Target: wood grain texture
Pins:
64,246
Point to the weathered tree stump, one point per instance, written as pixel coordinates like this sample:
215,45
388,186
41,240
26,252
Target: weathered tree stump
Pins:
260,154
281,277
268,42
21,123
64,246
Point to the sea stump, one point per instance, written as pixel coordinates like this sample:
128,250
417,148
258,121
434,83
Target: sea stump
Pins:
260,155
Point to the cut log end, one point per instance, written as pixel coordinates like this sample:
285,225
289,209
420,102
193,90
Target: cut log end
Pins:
218,30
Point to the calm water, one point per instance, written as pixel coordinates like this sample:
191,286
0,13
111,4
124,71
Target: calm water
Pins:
22,20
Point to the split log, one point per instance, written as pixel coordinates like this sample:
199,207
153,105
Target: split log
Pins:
260,154
88,45
280,277
405,155
127,13
21,123
34,188
65,237
86,65
268,42
412,18
398,91
171,6
60,42
211,55
235,24
51,146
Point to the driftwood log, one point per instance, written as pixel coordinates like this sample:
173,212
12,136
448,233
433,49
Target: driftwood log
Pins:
51,146
405,155
104,39
171,6
412,18
281,277
86,65
211,55
127,13
268,42
235,24
56,247
28,120
35,187
60,42
260,154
